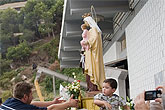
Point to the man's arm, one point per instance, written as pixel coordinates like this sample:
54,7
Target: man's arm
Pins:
46,103
62,106
140,103
161,100
42,104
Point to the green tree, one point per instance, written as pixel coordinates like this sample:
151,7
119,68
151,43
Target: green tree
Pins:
8,26
5,42
57,11
9,23
49,3
5,79
1,12
21,16
19,53
31,20
45,17
4,65
28,35
58,8
46,27
51,48
6,95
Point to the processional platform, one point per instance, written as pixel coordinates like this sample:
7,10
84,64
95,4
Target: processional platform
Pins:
87,103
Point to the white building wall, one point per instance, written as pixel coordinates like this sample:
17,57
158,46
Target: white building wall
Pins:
111,73
120,77
145,37
113,53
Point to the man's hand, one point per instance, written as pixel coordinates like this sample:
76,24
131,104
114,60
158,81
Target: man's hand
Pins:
56,100
62,106
158,100
72,102
107,105
161,87
140,103
163,92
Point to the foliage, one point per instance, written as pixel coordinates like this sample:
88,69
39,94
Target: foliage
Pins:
46,22
9,25
36,14
129,103
32,21
20,52
20,69
58,8
17,79
69,71
48,83
51,48
6,41
79,74
50,96
74,87
57,11
28,35
4,65
5,79
38,19
5,95
9,21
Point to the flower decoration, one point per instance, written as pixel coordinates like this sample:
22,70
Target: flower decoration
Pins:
129,103
74,87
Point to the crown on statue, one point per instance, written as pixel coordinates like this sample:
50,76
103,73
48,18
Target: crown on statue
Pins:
86,15
97,18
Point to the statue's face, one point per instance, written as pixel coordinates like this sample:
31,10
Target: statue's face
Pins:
86,23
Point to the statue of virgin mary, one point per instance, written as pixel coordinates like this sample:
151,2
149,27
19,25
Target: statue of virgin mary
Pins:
94,67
